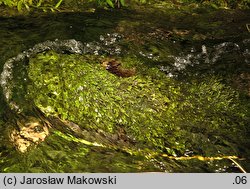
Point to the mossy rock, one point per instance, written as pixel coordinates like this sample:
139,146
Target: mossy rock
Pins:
160,113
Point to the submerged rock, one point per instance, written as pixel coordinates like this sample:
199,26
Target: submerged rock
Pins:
141,113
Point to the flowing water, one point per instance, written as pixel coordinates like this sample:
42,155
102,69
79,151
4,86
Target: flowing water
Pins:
193,90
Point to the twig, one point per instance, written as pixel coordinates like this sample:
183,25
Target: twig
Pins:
238,165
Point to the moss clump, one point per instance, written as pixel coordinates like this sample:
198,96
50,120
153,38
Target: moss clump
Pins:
159,112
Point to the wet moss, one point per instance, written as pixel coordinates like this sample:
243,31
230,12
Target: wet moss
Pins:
181,117
160,113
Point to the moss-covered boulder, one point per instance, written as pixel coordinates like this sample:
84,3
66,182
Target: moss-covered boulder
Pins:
158,112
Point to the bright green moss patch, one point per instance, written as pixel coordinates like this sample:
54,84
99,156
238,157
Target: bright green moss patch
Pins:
161,114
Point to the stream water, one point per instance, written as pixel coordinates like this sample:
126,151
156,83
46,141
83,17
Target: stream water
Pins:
196,62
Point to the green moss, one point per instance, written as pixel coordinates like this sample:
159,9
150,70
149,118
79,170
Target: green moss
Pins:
159,112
